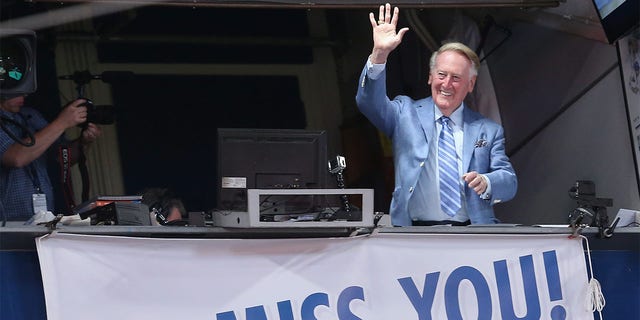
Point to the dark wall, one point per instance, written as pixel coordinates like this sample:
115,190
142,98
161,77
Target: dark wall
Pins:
167,127
167,123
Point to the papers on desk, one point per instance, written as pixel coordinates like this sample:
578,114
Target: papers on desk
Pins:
40,217
627,218
552,225
75,220
496,225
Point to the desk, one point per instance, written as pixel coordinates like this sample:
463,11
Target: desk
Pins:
22,238
616,260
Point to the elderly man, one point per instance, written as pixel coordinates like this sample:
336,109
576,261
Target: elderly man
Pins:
450,161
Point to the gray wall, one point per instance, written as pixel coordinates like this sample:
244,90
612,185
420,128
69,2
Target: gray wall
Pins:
563,110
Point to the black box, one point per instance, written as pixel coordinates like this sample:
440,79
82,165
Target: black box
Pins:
120,213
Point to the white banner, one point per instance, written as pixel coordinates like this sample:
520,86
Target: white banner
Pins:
379,277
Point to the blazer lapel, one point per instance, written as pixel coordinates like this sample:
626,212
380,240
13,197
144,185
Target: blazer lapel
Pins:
471,131
425,112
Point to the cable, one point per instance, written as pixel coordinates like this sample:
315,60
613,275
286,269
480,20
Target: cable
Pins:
595,299
31,139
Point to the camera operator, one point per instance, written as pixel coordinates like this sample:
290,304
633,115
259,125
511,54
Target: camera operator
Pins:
25,185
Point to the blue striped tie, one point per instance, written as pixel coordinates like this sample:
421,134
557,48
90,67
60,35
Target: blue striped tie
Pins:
448,168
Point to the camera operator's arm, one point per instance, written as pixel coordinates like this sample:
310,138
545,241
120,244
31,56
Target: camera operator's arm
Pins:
18,156
89,134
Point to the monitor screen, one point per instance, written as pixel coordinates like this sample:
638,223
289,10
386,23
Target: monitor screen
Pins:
17,62
269,159
618,17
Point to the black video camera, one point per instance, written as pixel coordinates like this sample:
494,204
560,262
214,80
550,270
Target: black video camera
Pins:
98,114
589,206
584,191
17,74
17,62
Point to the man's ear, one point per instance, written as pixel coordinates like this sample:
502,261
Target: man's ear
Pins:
472,83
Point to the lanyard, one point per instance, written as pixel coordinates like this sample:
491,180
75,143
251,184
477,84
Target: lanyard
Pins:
31,170
33,175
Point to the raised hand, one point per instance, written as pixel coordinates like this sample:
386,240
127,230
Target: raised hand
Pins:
385,38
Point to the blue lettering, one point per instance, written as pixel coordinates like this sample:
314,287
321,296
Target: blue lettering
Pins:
228,315
530,290
553,276
285,310
423,300
346,296
253,313
421,303
311,302
307,312
479,283
553,284
256,313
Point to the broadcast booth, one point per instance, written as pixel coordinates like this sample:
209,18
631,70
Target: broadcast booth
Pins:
290,239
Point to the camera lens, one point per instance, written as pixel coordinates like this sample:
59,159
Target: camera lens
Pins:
101,114
13,63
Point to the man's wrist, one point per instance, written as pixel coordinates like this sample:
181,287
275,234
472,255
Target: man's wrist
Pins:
378,57
374,70
486,195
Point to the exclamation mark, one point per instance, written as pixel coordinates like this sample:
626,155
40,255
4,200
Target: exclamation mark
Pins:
553,284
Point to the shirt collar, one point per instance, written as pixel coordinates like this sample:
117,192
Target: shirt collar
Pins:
456,116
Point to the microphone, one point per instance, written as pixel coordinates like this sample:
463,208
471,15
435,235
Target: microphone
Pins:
79,77
116,76
83,77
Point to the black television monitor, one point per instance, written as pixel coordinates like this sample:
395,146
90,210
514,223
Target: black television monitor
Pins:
618,17
270,159
17,62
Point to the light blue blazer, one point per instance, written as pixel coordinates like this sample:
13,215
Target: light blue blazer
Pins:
408,122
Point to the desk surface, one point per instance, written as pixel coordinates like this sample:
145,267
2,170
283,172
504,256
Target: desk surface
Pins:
22,238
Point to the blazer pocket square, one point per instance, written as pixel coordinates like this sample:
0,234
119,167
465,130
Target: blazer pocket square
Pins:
480,143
